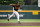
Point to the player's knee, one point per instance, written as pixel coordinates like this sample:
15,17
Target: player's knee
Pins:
18,14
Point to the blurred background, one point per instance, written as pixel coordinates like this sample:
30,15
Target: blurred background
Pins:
30,9
22,2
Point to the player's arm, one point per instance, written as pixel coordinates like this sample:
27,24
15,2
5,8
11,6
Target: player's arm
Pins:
20,8
12,4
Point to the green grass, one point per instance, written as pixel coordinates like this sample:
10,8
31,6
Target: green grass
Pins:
19,26
21,20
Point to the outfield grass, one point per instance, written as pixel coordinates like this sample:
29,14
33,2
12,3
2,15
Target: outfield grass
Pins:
19,26
21,20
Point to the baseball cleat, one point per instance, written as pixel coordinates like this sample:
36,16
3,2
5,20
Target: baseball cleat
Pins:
8,19
19,22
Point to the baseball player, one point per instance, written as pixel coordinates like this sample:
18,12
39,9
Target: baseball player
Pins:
15,9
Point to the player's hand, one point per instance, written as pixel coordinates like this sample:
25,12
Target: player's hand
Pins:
21,7
10,4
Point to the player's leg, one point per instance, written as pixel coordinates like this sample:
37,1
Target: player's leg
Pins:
10,17
18,17
17,14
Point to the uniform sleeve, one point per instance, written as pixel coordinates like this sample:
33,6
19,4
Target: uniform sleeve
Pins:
13,5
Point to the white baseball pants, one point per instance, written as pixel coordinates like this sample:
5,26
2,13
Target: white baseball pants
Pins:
14,13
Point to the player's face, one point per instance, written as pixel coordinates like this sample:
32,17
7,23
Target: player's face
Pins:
17,4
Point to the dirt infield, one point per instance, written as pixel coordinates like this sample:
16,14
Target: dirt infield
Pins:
22,24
